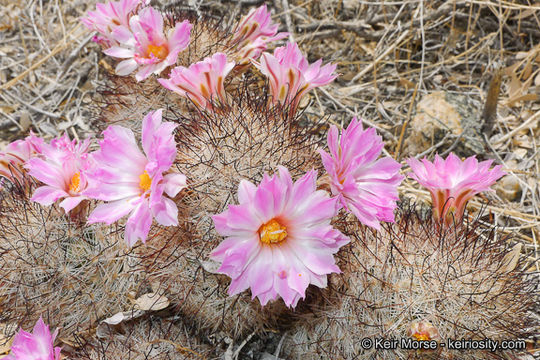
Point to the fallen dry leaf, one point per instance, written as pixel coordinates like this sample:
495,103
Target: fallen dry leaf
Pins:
152,302
103,329
526,97
511,259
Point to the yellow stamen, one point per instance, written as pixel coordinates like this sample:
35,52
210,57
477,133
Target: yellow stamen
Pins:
160,52
146,181
272,232
75,184
421,336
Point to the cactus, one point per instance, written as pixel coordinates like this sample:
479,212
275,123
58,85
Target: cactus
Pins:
464,281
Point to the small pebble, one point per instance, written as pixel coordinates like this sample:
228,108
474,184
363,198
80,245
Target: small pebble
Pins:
25,120
509,188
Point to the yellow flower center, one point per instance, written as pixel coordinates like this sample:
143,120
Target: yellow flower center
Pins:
75,184
272,232
145,181
421,336
158,51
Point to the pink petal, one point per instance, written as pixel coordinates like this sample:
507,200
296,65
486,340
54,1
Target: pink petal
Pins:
240,217
318,261
220,223
152,21
238,257
264,204
174,183
166,213
113,191
111,212
246,191
150,124
119,149
138,224
298,280
71,202
179,38
238,285
124,36
126,67
119,52
46,172
333,142
304,187
145,71
47,195
258,272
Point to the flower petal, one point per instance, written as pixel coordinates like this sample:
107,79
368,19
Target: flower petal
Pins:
111,212
174,183
166,213
47,195
138,224
71,202
126,67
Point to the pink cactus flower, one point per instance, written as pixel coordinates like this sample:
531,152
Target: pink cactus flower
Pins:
62,168
202,82
252,34
144,44
423,331
35,346
279,238
365,186
291,76
452,182
108,17
16,154
134,183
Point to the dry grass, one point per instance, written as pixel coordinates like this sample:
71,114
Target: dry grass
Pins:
391,54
